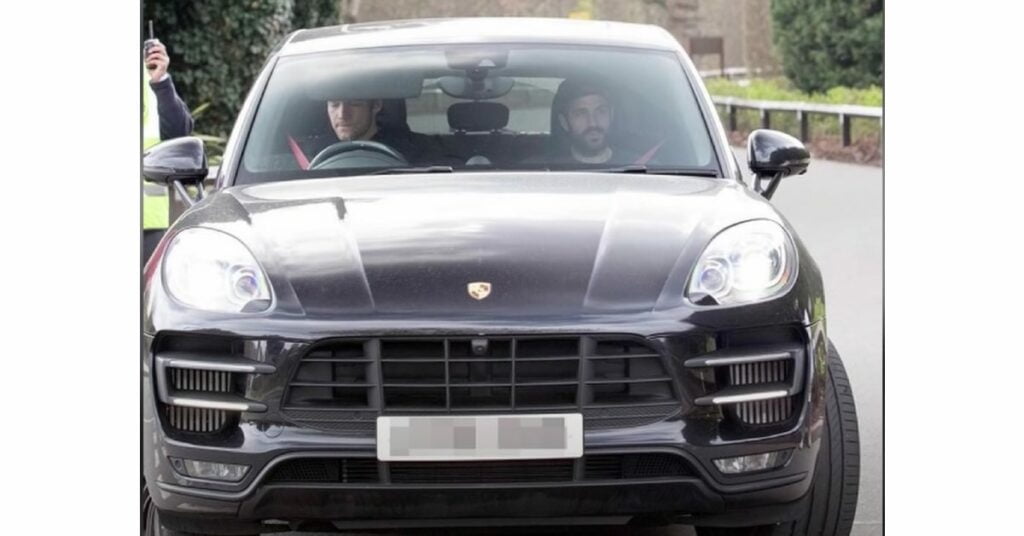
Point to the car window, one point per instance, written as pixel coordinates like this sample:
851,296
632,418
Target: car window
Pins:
529,104
522,107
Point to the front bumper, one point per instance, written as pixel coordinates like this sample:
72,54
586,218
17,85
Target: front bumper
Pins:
264,441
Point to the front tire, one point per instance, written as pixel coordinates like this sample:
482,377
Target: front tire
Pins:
151,518
833,495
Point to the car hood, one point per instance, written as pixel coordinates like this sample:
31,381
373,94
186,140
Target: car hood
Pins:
546,243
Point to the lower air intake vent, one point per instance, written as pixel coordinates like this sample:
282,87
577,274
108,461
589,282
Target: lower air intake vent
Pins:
482,472
207,381
756,377
200,420
765,372
340,470
634,466
765,411
629,466
196,419
762,372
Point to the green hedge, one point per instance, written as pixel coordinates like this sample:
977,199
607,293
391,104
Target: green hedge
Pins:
217,47
780,89
828,43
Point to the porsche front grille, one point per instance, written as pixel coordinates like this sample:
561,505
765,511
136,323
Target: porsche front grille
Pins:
344,384
591,467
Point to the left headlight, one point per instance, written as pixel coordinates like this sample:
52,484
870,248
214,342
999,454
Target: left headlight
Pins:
214,271
746,263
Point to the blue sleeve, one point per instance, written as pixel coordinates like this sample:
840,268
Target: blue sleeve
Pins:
175,119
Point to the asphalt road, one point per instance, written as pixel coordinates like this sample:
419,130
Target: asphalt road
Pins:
836,210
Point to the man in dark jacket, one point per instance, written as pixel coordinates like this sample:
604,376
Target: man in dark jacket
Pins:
356,119
175,119
164,116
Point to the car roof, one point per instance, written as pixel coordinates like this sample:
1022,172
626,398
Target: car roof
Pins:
477,30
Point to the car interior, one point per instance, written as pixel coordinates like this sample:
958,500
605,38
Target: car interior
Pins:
477,133
472,112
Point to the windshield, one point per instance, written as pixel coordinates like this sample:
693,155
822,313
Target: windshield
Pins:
473,108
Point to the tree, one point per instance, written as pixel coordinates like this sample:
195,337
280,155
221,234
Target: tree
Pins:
217,47
315,13
828,43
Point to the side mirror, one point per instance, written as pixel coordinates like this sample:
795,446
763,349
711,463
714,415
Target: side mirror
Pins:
178,160
773,155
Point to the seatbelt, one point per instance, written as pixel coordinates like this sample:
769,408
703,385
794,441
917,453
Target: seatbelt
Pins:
649,154
300,157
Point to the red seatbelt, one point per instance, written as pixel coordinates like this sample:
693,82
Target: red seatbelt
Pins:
649,154
300,157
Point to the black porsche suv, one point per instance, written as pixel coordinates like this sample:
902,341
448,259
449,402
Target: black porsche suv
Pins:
487,272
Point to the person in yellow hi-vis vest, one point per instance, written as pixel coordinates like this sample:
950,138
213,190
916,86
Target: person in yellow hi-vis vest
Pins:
164,116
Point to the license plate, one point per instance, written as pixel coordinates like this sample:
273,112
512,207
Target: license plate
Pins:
479,437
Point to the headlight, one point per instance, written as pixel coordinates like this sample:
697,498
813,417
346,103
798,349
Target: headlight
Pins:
745,263
212,270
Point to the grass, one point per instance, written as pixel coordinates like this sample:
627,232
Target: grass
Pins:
780,89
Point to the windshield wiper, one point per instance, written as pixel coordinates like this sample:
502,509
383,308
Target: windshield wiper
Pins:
410,170
640,168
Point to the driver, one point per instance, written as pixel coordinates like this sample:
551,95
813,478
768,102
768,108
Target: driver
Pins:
585,114
356,119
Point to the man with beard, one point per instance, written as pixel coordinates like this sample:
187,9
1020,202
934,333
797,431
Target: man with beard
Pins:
584,112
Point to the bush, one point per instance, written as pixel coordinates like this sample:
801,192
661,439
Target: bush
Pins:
827,43
780,89
217,47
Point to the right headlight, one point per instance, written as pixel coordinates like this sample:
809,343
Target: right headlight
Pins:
746,263
214,271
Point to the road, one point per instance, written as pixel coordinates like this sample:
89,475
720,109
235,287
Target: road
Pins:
836,210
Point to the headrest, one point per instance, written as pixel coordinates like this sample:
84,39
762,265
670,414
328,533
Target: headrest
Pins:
477,116
392,115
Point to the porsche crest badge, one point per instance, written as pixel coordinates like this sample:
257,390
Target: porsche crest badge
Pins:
479,290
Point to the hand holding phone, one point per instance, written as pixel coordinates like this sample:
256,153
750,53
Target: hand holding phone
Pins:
147,47
155,55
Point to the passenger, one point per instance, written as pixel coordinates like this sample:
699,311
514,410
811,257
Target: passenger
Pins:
585,114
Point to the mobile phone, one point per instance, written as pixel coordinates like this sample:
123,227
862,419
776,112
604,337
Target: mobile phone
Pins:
148,44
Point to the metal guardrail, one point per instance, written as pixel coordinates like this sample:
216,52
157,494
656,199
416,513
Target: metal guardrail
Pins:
802,110
730,73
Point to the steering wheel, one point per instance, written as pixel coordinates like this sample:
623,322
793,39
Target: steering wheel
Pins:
337,152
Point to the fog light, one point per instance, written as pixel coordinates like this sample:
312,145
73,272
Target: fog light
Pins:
227,472
756,462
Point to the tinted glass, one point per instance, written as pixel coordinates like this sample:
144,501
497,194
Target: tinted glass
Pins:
524,107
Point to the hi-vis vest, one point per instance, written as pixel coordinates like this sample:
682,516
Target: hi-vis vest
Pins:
155,205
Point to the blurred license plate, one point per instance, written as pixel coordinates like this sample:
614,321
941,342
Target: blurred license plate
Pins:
480,437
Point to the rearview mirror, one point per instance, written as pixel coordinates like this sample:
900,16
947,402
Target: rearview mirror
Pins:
180,159
773,155
464,87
